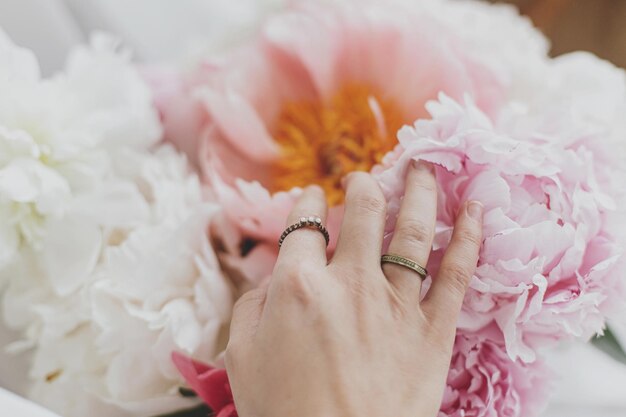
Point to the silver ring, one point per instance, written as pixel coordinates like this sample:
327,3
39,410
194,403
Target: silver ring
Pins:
311,222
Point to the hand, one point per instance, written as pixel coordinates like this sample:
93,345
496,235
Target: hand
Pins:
349,338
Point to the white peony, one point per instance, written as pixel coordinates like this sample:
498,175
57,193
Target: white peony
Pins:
104,256
55,134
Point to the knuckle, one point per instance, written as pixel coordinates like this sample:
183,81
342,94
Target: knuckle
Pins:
360,290
414,231
402,308
354,272
365,194
370,204
297,283
359,271
358,280
469,237
427,184
303,270
457,278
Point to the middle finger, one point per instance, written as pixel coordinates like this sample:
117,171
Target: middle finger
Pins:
361,235
415,228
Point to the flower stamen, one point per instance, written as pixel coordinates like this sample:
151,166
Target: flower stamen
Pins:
323,142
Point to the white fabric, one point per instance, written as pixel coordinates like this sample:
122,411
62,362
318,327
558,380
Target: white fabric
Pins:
591,384
45,26
13,368
157,30
14,406
148,25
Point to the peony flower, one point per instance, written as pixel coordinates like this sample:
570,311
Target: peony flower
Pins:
157,290
54,136
550,266
110,268
484,382
321,92
209,383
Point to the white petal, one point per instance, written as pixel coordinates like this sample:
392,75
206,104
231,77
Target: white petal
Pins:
9,240
70,251
16,63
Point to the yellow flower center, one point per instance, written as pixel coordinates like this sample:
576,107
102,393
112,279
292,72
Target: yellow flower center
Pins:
323,142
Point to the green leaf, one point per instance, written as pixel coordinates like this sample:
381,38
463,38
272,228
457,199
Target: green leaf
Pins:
202,411
609,344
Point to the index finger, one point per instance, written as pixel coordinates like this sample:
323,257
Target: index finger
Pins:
305,244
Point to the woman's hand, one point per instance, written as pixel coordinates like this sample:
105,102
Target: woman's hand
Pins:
347,338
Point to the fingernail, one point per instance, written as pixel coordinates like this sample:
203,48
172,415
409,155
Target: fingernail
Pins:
422,165
345,180
314,188
475,210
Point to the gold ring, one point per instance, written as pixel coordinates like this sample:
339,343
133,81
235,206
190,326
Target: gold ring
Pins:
405,262
311,222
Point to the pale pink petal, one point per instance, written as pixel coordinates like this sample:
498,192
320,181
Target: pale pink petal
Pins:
239,123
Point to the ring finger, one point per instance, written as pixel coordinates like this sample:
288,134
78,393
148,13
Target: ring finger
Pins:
415,228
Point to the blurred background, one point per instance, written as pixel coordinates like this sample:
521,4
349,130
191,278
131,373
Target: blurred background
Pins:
591,383
597,26
51,27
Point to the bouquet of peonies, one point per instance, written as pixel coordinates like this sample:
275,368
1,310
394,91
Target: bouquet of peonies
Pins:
120,261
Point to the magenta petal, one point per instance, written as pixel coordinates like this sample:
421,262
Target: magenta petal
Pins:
211,384
228,411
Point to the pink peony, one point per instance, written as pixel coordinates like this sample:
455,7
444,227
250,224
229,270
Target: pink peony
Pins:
319,93
209,383
484,382
551,265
